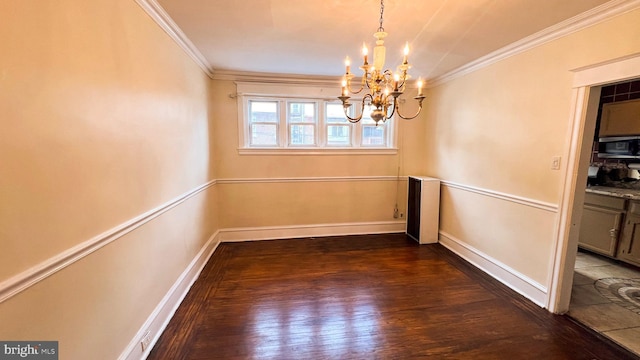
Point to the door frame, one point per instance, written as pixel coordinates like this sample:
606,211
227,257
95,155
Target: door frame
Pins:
587,82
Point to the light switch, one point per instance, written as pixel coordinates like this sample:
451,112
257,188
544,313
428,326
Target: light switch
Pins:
555,163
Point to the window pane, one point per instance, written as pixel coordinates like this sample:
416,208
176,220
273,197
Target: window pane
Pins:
373,135
338,135
263,111
264,134
302,135
302,112
335,113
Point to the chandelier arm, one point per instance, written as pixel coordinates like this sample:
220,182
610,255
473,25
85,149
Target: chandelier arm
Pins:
402,84
419,98
359,117
380,84
357,91
395,106
353,121
368,81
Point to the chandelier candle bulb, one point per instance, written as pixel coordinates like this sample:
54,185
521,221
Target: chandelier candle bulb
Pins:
406,53
383,87
365,52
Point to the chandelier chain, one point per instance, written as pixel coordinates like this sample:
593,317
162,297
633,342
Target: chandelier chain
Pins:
381,29
384,87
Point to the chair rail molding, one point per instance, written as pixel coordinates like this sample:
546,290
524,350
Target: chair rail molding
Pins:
22,281
503,196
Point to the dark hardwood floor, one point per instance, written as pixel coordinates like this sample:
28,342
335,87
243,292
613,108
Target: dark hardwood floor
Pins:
363,297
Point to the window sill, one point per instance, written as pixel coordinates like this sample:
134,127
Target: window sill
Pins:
318,151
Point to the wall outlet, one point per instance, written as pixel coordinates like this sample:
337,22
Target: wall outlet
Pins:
401,215
146,340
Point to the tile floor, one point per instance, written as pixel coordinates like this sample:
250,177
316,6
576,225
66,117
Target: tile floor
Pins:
606,297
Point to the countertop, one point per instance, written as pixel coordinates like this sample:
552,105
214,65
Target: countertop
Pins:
633,194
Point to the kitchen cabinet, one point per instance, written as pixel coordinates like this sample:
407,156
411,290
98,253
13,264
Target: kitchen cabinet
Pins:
629,248
601,222
620,118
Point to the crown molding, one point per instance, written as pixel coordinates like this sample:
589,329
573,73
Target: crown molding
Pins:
160,16
588,18
275,78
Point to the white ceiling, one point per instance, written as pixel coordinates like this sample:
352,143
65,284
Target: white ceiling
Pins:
312,37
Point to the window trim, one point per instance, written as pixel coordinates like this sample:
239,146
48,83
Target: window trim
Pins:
284,94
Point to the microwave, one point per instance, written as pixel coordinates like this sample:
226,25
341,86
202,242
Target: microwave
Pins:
620,147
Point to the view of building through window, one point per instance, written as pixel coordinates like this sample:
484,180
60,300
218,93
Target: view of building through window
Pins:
310,123
264,122
338,128
302,121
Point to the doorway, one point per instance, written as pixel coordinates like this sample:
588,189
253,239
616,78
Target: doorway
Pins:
606,285
586,97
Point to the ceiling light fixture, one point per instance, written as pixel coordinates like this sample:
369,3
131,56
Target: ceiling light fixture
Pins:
383,85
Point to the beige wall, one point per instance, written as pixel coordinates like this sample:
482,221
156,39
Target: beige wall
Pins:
260,203
498,128
104,118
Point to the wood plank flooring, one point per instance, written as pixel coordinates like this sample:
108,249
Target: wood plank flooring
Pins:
363,297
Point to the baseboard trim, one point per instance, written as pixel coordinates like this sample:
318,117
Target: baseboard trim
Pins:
164,311
22,281
518,282
302,231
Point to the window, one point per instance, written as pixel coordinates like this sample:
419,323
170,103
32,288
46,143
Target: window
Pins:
263,118
302,119
306,122
372,135
338,127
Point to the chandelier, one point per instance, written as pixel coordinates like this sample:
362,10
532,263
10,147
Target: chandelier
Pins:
383,86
